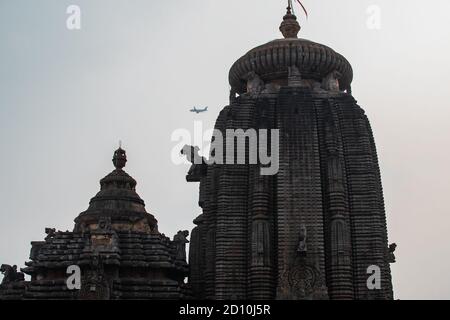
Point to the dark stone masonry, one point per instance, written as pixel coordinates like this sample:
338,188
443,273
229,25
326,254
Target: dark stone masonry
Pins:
311,231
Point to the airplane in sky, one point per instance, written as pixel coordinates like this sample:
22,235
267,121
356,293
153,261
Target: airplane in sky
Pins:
198,110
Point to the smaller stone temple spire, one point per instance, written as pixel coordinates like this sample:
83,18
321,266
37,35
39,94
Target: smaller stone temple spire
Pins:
120,158
290,26
117,247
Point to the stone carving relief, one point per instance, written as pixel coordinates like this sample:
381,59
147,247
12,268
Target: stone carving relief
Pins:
94,285
104,224
302,280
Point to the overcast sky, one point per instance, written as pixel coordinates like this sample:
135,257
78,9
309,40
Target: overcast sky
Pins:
135,69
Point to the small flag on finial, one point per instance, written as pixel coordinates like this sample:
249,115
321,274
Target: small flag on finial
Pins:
301,5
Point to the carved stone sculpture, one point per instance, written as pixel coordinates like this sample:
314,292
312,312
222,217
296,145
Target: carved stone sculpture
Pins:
271,88
10,274
254,83
392,248
180,240
294,77
198,167
331,81
302,247
50,232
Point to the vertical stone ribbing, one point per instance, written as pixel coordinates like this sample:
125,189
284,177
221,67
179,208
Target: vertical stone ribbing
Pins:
301,275
261,282
197,258
367,231
260,275
386,279
210,209
336,213
232,214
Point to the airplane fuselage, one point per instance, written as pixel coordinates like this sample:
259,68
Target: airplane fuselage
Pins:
199,110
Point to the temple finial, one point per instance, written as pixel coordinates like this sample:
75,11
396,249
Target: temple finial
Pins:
290,26
120,157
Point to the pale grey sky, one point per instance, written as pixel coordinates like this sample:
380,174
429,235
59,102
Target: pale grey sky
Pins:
135,69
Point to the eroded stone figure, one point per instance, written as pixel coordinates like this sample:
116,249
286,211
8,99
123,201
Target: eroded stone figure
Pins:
317,86
50,232
331,81
10,274
180,240
271,88
294,77
192,154
302,248
198,162
392,248
255,84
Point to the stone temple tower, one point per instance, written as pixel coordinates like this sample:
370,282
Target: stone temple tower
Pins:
316,229
115,244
